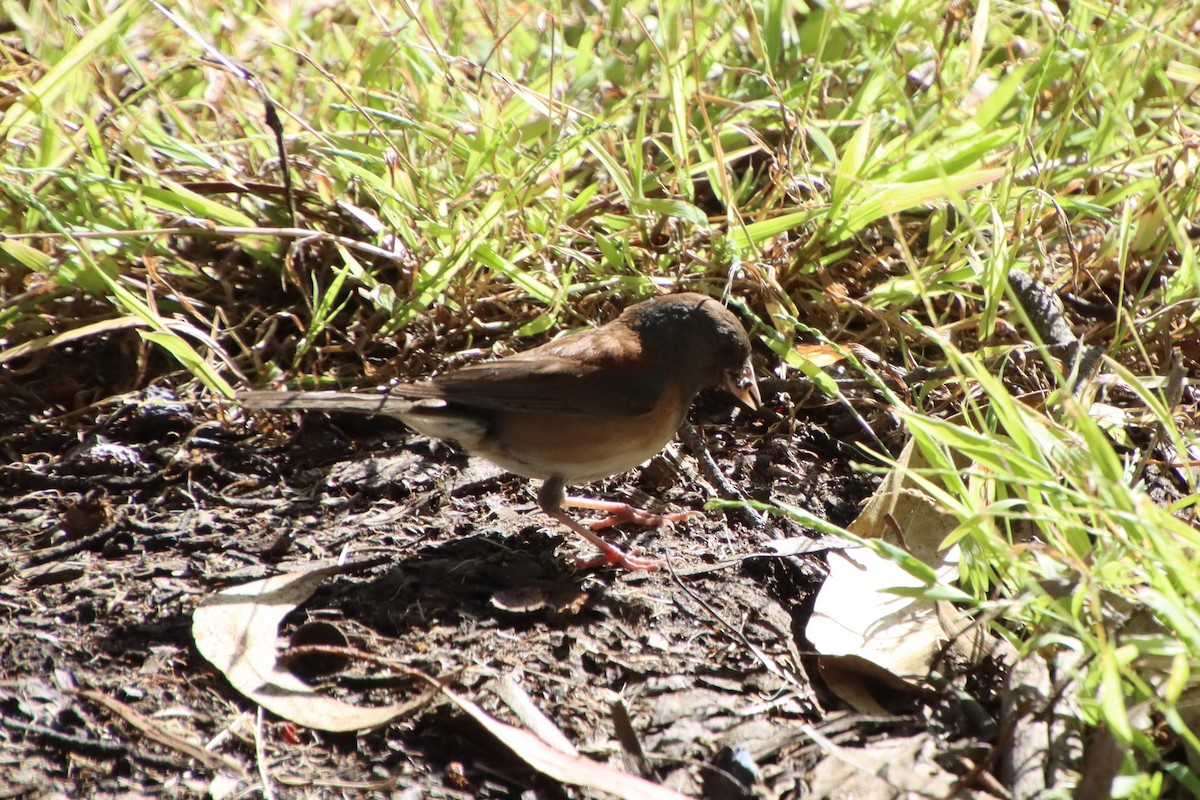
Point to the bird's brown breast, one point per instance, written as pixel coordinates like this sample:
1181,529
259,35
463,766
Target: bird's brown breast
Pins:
576,447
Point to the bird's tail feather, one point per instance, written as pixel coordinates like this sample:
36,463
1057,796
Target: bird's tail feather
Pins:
350,402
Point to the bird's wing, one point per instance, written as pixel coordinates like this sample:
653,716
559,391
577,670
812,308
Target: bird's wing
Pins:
553,385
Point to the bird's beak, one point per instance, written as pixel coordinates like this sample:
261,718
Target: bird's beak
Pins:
741,384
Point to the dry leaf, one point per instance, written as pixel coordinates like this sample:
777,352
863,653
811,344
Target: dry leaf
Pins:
886,770
563,767
899,513
822,355
237,630
856,616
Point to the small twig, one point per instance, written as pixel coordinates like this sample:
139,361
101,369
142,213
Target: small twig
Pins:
725,487
150,730
269,110
67,549
628,739
260,757
769,663
1046,316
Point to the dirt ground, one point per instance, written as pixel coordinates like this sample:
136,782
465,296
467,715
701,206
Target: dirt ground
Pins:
119,517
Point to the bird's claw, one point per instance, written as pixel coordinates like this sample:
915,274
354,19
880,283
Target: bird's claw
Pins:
618,557
623,512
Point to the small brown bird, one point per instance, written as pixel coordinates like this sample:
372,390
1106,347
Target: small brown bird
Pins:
582,407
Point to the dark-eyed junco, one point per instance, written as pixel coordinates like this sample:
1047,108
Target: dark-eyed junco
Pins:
582,407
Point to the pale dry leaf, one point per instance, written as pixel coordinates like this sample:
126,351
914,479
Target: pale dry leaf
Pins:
902,515
564,767
886,770
857,615
822,355
237,630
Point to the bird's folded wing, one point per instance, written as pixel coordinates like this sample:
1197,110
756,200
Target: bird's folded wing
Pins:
553,386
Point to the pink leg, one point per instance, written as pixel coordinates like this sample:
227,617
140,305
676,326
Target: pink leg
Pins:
609,553
552,497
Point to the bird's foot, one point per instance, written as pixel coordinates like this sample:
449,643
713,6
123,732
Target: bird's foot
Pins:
611,554
623,512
